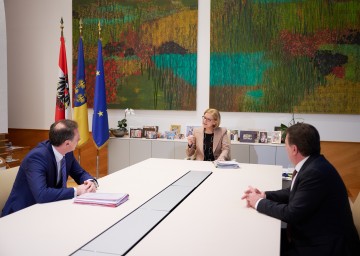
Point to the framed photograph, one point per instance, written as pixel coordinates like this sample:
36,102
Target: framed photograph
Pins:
190,130
147,129
234,135
135,132
175,128
248,136
179,136
276,137
151,135
170,135
262,137
278,128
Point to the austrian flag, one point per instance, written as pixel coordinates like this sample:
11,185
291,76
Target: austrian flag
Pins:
63,108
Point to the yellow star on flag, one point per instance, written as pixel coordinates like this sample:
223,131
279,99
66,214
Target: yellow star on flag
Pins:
97,72
100,113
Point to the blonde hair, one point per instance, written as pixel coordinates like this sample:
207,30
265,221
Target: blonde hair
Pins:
215,114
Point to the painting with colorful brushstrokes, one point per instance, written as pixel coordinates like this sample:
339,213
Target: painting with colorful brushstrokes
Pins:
287,56
149,51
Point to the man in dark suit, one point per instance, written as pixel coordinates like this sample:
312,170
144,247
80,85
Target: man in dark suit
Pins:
315,207
42,176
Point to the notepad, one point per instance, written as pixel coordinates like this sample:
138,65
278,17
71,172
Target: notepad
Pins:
226,164
103,199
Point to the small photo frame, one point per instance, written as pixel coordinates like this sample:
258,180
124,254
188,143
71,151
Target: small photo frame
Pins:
276,137
262,137
151,135
170,135
234,135
147,129
248,136
179,136
278,128
135,132
189,131
175,128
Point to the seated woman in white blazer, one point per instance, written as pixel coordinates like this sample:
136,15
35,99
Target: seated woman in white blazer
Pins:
209,142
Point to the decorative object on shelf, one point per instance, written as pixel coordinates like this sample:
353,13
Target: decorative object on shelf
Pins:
151,135
190,130
122,124
263,137
248,136
170,135
135,132
283,127
117,132
179,136
234,135
147,129
175,128
276,137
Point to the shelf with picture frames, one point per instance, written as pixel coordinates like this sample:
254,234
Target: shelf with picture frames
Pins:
124,151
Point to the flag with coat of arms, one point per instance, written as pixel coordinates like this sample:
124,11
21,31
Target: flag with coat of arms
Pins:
63,106
80,101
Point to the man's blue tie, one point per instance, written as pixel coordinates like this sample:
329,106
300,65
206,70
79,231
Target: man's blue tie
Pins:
63,172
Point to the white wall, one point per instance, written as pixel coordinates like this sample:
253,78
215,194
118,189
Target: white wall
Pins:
33,49
3,72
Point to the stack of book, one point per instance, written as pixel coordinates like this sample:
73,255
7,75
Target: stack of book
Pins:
226,164
104,199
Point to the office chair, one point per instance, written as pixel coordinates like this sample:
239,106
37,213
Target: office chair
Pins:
7,178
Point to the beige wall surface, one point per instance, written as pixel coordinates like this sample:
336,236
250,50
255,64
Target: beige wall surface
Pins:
33,38
3,72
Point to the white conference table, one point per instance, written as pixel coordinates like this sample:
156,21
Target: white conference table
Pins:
212,220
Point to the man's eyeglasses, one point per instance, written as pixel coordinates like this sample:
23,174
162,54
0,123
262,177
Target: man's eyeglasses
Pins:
207,119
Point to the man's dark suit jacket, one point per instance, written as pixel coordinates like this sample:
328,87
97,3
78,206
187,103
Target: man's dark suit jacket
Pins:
36,181
317,210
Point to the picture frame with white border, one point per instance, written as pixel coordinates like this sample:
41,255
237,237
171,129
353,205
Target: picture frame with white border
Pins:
276,137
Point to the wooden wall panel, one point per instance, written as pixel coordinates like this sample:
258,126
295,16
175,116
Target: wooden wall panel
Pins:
345,156
88,153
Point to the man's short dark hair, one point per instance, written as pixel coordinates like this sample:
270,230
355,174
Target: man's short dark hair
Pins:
305,137
62,130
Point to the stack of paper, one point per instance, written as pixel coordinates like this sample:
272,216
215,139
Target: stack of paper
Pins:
105,199
226,164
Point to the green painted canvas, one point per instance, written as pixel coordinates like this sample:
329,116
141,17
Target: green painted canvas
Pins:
287,56
149,51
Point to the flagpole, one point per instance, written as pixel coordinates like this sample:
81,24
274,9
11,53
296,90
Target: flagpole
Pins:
80,29
97,163
100,122
62,27
97,149
80,26
79,156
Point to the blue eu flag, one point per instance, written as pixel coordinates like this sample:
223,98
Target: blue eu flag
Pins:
100,123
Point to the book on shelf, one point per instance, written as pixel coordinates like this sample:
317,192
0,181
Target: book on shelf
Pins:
104,199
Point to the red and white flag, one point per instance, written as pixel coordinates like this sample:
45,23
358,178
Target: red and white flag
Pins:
63,107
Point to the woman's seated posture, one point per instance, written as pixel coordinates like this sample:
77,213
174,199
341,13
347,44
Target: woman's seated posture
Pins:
209,142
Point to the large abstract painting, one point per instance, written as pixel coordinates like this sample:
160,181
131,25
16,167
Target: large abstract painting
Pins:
289,56
149,51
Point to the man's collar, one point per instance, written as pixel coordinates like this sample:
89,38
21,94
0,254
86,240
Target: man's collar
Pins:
58,156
